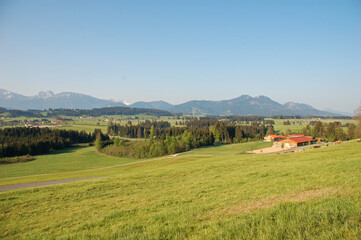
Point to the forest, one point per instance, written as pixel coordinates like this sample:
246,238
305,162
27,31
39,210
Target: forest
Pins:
223,132
332,131
21,141
162,139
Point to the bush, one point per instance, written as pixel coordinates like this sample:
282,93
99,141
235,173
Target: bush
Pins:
18,159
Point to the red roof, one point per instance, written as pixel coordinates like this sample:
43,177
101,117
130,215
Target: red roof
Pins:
300,139
295,135
276,136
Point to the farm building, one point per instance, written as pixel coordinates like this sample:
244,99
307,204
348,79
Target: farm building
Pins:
294,141
270,138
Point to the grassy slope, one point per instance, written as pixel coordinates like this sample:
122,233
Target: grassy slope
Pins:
214,193
65,164
71,159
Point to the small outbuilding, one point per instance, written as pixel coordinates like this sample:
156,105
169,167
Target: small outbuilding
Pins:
270,138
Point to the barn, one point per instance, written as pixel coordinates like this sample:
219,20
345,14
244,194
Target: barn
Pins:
295,141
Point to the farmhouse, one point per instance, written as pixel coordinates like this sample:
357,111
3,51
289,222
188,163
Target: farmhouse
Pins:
294,141
270,138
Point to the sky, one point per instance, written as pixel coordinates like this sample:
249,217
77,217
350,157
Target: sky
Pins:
303,51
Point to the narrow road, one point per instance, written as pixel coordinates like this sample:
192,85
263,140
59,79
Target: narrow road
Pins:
40,184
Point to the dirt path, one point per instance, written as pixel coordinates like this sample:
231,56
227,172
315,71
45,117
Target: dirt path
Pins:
266,150
282,150
40,184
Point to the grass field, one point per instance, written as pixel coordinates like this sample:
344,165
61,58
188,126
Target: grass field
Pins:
86,126
71,159
210,193
67,163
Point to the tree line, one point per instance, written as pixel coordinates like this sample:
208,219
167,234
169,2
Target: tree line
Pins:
332,131
234,118
21,141
155,147
311,117
223,132
161,139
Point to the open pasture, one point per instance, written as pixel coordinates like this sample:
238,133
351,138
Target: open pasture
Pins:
67,160
210,193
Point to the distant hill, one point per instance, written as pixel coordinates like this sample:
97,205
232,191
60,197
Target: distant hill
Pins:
247,105
45,100
244,105
155,104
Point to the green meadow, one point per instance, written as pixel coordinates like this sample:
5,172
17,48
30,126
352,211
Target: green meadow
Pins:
85,126
67,160
217,192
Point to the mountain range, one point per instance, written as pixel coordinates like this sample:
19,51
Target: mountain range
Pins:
243,105
48,99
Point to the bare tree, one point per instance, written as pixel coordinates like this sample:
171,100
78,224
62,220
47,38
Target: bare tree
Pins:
358,117
358,113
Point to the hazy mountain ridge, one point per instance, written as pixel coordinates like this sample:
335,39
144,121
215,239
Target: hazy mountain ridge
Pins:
243,105
247,105
45,100
162,105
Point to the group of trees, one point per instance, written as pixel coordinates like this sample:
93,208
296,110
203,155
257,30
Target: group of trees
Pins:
286,117
21,141
154,147
230,120
222,131
332,131
22,113
161,138
225,133
237,120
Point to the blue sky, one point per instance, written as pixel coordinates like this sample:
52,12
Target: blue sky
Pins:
301,51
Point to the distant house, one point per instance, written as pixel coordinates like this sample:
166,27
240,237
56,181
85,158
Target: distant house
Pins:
57,121
270,138
294,141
